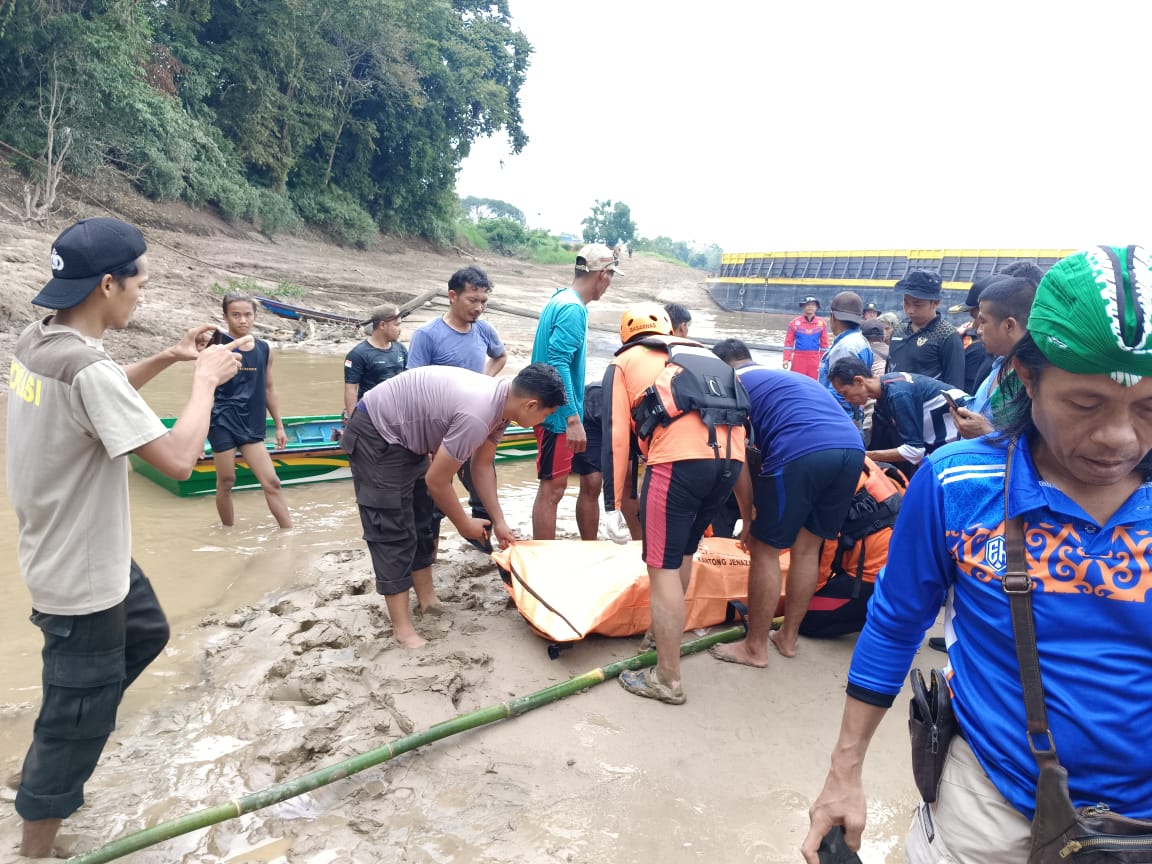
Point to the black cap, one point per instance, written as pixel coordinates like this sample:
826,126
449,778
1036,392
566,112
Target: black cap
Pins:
810,299
83,254
972,301
921,284
872,330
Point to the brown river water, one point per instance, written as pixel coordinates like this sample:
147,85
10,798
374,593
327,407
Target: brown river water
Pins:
727,776
200,569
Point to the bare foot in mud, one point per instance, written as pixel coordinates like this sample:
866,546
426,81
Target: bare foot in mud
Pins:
788,651
740,652
411,642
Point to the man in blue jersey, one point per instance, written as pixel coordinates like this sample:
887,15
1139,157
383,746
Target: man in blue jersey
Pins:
812,458
1077,476
560,341
239,417
911,416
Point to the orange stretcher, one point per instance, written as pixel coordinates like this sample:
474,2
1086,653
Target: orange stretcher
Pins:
567,589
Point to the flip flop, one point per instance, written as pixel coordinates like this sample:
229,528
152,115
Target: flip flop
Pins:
646,683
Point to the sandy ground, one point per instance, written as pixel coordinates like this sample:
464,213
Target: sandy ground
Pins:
310,676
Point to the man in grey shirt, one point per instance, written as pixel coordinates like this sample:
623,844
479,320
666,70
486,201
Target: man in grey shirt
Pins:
74,415
450,415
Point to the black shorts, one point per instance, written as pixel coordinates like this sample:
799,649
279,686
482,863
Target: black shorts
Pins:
395,507
813,492
224,438
588,462
677,502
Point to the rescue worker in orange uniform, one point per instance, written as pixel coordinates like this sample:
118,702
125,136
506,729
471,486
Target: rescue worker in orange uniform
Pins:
685,482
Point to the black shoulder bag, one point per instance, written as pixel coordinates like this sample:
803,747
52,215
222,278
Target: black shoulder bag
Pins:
1061,834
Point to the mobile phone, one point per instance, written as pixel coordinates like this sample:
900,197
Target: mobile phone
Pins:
219,337
951,402
833,849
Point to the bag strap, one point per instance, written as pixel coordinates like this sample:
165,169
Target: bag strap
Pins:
1018,585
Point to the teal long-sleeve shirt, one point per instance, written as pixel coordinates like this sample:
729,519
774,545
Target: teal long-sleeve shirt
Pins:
561,341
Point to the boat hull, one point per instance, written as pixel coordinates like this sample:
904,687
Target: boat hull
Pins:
776,282
299,313
313,455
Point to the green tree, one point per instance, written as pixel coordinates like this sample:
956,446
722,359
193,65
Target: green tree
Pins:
609,223
505,236
492,208
355,113
700,257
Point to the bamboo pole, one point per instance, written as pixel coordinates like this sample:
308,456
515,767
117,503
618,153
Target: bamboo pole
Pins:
508,309
322,777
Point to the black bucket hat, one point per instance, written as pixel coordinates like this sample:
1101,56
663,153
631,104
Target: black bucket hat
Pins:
921,284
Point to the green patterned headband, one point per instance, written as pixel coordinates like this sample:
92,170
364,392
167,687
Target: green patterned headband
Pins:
1093,314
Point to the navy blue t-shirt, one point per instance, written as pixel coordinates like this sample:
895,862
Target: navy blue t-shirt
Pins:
793,415
912,408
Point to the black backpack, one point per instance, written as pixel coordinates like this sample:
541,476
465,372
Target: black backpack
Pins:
867,515
693,379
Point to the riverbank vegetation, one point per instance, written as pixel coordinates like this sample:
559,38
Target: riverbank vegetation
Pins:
351,116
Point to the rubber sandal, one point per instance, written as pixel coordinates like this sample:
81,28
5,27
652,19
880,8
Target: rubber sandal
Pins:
646,683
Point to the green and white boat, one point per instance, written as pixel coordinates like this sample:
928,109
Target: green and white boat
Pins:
312,455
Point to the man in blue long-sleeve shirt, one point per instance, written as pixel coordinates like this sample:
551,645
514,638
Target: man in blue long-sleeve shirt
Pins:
560,341
1071,473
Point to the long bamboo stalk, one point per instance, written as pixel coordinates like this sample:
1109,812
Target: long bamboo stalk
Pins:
495,306
322,777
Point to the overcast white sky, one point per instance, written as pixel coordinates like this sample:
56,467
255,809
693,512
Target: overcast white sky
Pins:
808,125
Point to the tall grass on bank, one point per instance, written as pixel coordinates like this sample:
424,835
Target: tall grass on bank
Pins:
508,237
282,290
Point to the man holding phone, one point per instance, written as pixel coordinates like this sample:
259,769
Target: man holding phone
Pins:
1003,316
913,416
74,415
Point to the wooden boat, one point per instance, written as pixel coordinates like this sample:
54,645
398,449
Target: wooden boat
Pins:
299,313
312,455
777,281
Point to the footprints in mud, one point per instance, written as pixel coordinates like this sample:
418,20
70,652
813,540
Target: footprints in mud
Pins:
333,560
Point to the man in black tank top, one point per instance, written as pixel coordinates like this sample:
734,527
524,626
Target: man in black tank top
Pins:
238,418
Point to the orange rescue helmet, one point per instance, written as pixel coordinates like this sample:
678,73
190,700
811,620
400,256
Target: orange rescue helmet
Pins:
648,318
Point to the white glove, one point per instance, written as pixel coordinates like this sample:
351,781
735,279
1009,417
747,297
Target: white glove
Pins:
617,527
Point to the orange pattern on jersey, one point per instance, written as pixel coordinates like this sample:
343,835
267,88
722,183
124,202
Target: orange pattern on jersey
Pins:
1057,561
